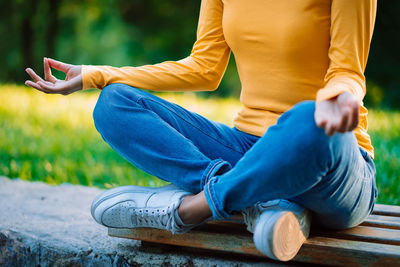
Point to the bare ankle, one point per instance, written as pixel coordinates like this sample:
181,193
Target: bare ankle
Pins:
185,211
194,209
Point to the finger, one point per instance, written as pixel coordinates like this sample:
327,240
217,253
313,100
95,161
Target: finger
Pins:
321,123
330,128
355,116
52,88
58,65
33,75
47,71
352,120
48,88
343,125
319,117
35,86
327,128
48,83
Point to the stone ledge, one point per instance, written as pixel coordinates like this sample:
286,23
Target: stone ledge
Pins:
43,225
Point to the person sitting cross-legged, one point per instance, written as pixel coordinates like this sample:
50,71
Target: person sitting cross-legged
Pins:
299,146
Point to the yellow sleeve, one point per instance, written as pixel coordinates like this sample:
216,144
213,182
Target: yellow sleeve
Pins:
352,24
201,71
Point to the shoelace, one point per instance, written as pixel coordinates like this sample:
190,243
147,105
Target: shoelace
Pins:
250,216
156,218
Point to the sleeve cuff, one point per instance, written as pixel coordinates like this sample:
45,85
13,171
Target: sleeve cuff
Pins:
339,85
91,77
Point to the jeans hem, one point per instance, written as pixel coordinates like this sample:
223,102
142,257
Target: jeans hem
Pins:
215,206
213,168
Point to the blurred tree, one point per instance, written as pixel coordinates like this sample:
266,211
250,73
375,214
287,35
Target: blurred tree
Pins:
166,30
383,69
27,33
29,36
52,28
137,32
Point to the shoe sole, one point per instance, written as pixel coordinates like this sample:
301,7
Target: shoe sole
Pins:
283,240
111,193
287,237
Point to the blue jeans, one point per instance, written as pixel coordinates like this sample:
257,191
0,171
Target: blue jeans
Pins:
293,160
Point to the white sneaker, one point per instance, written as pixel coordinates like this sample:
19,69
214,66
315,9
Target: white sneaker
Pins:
280,227
138,206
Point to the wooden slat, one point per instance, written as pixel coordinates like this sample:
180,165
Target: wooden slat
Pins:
382,221
379,209
331,251
366,234
321,250
388,210
388,234
242,244
375,242
379,221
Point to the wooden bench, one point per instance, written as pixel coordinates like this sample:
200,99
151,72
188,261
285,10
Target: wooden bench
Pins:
376,242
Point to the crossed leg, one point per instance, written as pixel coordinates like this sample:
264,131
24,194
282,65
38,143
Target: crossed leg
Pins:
168,141
293,160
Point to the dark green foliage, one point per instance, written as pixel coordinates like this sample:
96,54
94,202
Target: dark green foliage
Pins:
383,69
137,32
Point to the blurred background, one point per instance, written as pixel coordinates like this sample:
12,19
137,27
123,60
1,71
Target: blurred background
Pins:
52,138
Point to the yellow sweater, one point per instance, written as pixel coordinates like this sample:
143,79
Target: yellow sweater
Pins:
286,51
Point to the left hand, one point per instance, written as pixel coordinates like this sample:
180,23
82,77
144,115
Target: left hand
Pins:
52,85
339,114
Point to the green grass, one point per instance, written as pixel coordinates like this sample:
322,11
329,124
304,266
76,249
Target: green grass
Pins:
385,133
52,138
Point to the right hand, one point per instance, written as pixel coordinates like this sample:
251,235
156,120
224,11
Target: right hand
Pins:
52,85
339,114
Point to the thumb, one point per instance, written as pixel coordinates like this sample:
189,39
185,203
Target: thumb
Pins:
319,114
58,65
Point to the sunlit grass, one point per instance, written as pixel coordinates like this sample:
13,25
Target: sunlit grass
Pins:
385,133
52,138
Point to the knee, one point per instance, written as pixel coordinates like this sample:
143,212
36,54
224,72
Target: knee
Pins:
304,108
301,118
111,98
309,136
301,114
103,107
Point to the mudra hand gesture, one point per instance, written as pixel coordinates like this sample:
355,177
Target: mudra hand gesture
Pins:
52,85
340,114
